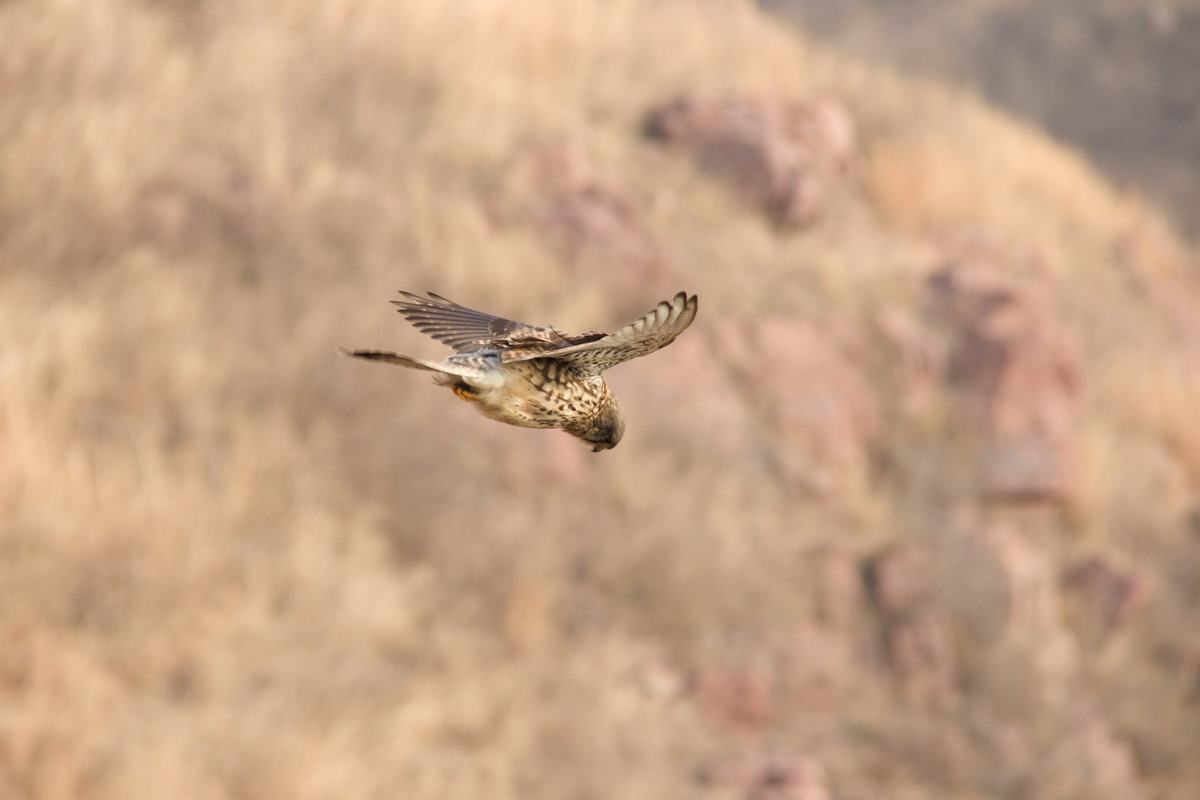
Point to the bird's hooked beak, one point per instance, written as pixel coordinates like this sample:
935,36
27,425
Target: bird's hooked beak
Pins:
599,447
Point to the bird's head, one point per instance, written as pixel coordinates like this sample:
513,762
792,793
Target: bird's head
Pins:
603,431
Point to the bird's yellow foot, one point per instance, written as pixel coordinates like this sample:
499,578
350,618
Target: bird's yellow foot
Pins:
465,392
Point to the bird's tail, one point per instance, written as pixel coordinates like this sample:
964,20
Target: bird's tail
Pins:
392,358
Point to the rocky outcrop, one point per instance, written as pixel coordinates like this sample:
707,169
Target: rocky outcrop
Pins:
1095,761
899,579
922,654
1033,628
815,658
1016,369
917,635
596,228
916,360
810,392
1103,597
691,395
786,157
737,700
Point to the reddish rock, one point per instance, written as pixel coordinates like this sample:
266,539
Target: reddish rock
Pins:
922,653
1093,761
1017,370
597,229
1105,596
1034,608
1033,626
819,408
685,395
917,358
827,125
784,156
734,699
900,579
919,643
759,777
1112,760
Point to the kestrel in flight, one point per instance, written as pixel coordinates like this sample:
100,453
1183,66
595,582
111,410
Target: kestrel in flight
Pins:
536,377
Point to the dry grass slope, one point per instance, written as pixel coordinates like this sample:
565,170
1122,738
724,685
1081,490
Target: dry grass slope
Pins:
233,565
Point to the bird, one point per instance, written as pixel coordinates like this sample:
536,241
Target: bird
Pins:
535,377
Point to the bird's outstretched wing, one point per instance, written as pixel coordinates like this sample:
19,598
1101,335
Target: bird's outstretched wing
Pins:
467,330
654,331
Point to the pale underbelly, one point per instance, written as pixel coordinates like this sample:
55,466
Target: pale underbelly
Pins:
520,402
532,412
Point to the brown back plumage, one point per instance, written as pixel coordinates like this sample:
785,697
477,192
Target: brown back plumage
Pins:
467,330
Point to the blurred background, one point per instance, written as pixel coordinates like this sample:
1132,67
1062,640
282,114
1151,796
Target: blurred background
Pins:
911,511
1111,77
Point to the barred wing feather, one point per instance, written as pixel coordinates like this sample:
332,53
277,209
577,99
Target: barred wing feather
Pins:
653,331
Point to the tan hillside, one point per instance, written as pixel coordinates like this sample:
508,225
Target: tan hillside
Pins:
910,512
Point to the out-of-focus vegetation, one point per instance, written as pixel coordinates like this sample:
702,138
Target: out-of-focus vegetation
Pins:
235,565
1111,77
